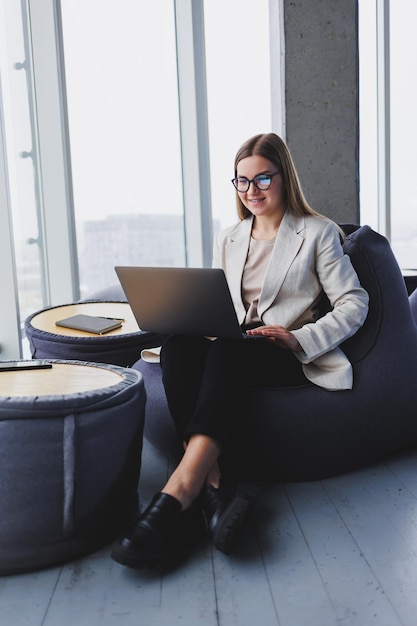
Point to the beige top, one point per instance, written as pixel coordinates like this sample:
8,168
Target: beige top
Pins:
253,275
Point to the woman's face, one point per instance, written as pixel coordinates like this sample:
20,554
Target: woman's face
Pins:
261,202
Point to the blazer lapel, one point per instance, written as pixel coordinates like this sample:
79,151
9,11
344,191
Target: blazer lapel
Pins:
287,245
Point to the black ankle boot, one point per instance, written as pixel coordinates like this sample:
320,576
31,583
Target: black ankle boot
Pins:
225,512
159,536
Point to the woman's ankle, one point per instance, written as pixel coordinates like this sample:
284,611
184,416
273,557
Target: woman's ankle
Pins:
182,491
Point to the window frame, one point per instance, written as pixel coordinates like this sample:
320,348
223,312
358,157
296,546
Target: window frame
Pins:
10,344
383,117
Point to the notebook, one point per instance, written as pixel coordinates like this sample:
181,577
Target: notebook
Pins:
90,323
188,301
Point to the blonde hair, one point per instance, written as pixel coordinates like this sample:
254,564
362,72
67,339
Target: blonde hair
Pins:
272,147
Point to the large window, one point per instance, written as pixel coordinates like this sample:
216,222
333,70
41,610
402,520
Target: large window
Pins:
23,158
388,101
121,82
403,99
124,123
110,132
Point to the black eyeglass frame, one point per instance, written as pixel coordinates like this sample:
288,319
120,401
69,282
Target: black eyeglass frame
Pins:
254,181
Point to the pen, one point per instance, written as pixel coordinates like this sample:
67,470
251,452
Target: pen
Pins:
116,319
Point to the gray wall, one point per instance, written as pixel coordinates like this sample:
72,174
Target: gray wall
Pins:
322,118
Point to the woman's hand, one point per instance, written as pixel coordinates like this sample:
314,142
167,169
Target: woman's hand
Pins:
279,335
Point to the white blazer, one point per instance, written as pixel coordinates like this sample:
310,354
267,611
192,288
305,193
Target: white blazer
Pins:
307,259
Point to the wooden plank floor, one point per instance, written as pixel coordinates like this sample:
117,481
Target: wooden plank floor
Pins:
342,551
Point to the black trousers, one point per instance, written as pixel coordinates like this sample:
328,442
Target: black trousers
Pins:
206,382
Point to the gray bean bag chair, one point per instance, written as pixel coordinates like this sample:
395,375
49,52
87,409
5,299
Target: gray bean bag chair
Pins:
308,433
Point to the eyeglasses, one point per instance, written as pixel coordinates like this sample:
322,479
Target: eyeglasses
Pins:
261,181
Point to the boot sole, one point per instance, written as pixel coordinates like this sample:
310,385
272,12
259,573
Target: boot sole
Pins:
232,519
135,561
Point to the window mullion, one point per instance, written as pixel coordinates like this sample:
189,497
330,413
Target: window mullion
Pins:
52,137
10,347
194,131
383,118
277,65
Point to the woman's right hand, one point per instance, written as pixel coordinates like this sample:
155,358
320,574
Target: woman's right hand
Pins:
279,335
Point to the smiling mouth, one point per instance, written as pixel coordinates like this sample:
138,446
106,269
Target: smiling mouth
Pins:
256,200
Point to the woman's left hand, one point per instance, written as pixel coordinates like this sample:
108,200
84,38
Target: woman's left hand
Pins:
279,335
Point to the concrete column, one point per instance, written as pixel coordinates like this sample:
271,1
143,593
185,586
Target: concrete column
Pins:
322,116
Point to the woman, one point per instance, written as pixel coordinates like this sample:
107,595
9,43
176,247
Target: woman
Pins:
278,259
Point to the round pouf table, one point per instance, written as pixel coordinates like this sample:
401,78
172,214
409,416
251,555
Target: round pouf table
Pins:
70,450
121,346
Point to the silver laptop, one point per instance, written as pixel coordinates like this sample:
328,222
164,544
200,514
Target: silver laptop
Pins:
187,301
